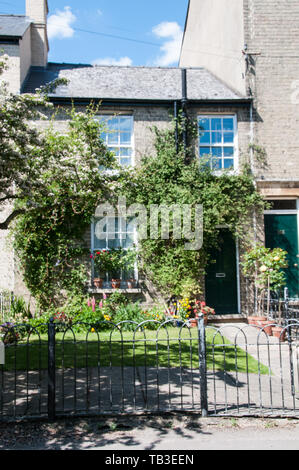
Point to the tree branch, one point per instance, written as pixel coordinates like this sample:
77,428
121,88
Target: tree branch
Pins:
4,225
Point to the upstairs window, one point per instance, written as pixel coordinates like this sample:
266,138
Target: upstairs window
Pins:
118,136
218,140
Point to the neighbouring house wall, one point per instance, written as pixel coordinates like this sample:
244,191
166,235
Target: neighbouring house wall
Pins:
271,32
37,10
214,39
11,76
18,62
25,55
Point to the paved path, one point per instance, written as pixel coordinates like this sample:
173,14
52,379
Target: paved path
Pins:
176,433
276,392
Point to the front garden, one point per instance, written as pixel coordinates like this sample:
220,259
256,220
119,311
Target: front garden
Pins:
118,333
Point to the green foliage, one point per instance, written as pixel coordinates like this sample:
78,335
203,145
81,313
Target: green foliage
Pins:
114,260
81,314
165,178
265,266
54,216
20,308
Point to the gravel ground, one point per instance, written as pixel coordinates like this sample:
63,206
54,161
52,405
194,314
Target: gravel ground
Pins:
171,432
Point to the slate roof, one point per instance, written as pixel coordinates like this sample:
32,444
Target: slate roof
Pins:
13,26
129,83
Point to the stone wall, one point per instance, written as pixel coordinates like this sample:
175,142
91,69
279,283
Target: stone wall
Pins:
272,38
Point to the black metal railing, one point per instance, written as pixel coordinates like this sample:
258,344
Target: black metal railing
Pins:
54,369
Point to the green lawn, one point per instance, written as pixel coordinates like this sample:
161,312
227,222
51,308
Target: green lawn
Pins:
114,350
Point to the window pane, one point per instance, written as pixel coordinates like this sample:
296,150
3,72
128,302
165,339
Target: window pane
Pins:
228,151
205,138
205,151
125,138
228,163
115,150
125,161
116,243
283,204
128,242
228,124
204,123
216,124
99,244
112,137
125,124
125,152
131,224
103,136
216,137
216,163
217,152
228,137
113,123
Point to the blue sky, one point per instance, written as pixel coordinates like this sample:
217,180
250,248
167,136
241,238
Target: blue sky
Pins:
155,28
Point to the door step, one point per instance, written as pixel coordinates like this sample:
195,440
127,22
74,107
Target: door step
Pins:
228,318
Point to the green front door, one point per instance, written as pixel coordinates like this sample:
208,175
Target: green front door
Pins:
221,277
281,231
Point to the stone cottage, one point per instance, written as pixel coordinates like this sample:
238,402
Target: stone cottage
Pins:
133,100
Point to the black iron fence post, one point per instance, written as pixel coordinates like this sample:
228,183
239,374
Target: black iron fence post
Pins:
51,371
202,366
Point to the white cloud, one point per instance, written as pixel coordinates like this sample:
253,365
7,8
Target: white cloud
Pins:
59,25
170,50
126,61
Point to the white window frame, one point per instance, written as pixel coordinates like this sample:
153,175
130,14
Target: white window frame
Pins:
235,143
119,145
94,249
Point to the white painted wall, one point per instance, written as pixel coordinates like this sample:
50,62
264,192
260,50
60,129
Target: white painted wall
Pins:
214,39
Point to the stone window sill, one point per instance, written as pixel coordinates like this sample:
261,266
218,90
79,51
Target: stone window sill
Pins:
107,290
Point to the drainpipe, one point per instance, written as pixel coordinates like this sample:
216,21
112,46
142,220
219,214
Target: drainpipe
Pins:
184,113
175,111
254,182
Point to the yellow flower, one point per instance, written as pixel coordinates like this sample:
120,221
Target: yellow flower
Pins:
276,258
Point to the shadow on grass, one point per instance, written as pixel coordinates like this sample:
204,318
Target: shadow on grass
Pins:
79,351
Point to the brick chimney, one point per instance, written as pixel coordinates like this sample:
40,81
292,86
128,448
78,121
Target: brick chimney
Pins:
37,10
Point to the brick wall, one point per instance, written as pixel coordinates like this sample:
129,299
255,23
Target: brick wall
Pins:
272,37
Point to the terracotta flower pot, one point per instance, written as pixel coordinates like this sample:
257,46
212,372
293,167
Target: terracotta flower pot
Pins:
267,328
131,283
256,320
115,283
279,333
98,282
193,322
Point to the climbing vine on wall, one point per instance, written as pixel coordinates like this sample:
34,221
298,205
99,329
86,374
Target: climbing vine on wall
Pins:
227,199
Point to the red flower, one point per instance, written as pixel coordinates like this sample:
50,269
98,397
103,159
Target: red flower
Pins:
91,256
